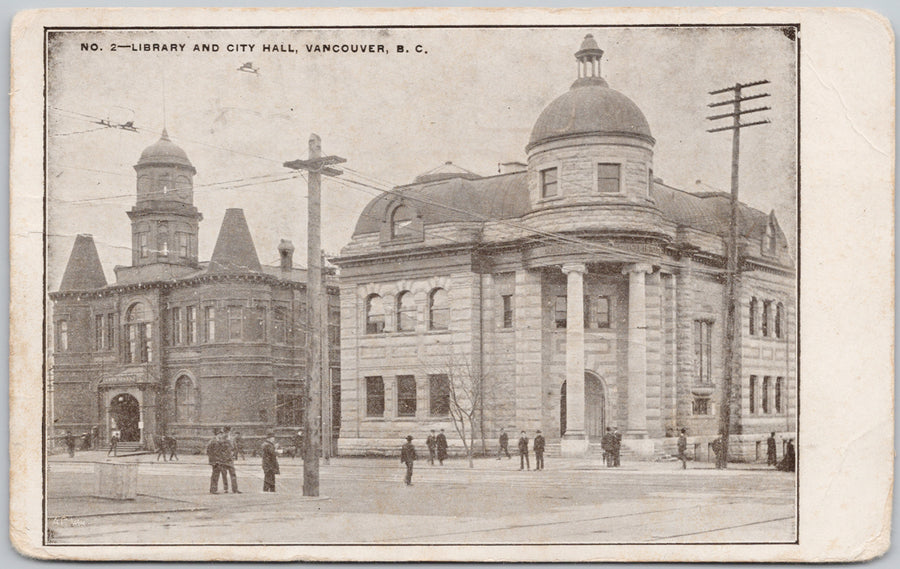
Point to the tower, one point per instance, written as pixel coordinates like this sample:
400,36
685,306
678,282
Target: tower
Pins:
164,220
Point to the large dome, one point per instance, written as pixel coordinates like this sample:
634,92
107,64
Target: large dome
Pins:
164,151
590,106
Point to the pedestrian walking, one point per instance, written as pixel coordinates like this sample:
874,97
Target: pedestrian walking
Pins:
239,446
771,451
504,444
789,460
431,443
441,447
607,442
113,444
227,460
523,452
269,462
160,442
617,446
297,444
539,451
70,443
408,457
214,451
171,444
682,448
718,447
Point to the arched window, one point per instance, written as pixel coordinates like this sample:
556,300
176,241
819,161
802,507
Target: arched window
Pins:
138,334
401,220
406,312
185,400
374,314
438,310
754,308
766,315
779,320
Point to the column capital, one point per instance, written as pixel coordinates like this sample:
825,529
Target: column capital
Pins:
637,268
574,268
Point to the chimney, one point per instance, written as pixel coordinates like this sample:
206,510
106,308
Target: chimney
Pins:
286,254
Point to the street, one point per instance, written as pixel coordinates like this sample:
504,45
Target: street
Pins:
365,501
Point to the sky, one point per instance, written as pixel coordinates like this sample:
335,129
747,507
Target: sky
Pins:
470,96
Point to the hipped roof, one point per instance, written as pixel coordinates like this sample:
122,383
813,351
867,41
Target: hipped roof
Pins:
234,251
84,271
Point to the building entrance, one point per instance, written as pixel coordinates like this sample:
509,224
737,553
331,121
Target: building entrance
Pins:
124,416
594,407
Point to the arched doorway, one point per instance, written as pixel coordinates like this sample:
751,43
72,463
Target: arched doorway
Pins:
594,407
124,416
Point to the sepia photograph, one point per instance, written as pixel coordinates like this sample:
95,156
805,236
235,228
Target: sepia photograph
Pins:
498,285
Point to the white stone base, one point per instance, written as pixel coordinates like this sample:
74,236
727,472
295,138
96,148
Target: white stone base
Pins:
573,447
643,449
116,480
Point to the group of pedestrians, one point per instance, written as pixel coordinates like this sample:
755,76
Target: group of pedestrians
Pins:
166,445
437,446
611,445
226,447
539,444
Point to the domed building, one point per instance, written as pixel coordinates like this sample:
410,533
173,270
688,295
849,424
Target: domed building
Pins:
177,346
577,295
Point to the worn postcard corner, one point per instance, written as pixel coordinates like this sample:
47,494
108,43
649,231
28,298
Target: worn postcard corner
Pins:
451,284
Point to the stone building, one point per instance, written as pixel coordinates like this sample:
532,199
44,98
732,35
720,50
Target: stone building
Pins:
581,291
177,346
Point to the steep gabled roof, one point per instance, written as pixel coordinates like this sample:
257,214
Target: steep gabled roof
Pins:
84,271
234,251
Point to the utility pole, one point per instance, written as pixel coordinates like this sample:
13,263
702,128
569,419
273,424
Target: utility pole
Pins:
733,263
326,366
316,165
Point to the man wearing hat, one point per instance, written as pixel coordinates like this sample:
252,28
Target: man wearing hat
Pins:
523,452
539,451
407,457
682,448
269,462
214,451
226,460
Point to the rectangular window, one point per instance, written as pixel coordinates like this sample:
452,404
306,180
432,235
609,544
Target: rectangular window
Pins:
779,320
701,406
110,331
177,333
752,394
507,310
131,344
703,351
255,324
235,316
767,309
99,330
560,311
288,409
209,324
191,322
279,326
406,396
596,312
144,244
183,249
62,336
146,343
779,395
375,396
608,178
439,395
765,394
549,183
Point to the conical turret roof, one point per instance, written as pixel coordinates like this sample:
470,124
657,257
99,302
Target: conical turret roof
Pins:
234,251
83,271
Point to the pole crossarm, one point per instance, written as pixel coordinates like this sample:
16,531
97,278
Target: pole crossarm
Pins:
739,86
735,127
738,100
739,113
318,165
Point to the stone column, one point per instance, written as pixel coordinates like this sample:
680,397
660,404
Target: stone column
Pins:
574,442
636,428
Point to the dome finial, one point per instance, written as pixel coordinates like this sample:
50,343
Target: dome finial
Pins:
588,57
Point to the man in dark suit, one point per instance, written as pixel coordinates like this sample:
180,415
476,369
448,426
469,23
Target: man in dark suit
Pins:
408,457
431,443
771,451
607,443
617,447
214,452
504,444
227,459
539,451
523,452
441,447
682,448
269,462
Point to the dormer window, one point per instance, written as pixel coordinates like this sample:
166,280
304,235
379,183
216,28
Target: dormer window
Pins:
608,178
549,183
769,240
401,221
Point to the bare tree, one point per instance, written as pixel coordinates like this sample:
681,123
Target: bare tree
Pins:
466,386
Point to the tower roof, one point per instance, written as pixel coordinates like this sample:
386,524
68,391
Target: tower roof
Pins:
234,251
164,152
83,271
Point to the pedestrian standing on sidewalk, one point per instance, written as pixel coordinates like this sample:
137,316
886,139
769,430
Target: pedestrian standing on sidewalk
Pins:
214,452
617,446
682,449
269,462
408,457
718,447
431,443
227,460
297,446
441,447
607,442
70,443
239,446
171,444
523,452
504,444
160,441
789,460
113,444
771,451
539,451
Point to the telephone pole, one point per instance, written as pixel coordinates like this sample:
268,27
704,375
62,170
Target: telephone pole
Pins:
316,165
733,263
